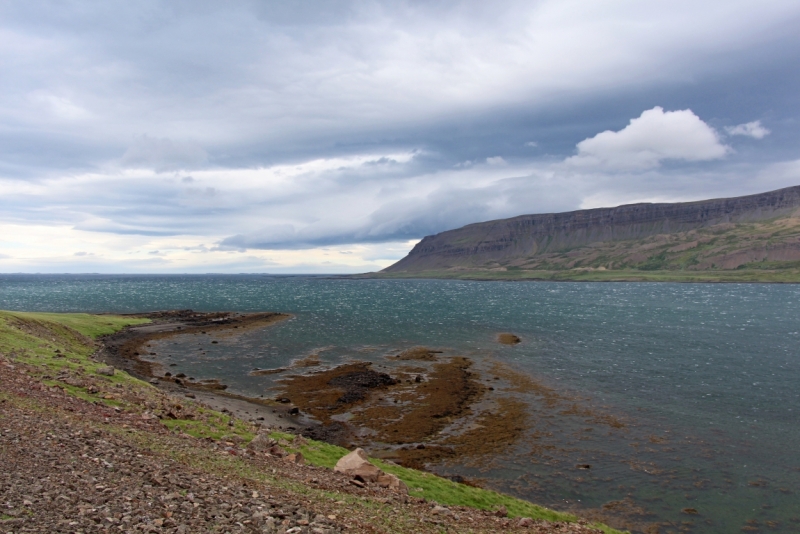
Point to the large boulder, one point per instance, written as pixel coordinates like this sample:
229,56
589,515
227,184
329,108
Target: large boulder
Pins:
356,464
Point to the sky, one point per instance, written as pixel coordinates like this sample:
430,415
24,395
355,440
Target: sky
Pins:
330,137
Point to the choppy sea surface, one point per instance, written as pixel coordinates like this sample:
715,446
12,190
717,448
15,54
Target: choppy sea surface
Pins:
706,377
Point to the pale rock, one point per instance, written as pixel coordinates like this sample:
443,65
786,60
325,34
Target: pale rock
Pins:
356,464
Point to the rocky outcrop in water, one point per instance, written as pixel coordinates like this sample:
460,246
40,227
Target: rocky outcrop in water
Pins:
543,241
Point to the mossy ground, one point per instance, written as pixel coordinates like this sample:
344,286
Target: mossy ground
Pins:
52,343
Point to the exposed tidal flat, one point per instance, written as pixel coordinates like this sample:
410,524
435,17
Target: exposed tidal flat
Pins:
668,404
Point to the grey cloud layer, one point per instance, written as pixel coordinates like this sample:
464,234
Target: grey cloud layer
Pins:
187,118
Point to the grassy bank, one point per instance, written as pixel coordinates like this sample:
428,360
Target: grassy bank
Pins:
59,350
791,276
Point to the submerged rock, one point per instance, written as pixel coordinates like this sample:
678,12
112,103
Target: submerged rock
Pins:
507,338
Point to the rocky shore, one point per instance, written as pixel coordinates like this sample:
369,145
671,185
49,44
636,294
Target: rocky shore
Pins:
87,448
126,350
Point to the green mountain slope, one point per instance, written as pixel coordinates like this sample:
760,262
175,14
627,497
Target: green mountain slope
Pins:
755,238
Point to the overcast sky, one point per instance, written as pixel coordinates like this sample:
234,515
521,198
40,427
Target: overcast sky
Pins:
330,136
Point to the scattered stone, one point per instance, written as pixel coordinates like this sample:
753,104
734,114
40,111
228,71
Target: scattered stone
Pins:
525,522
501,511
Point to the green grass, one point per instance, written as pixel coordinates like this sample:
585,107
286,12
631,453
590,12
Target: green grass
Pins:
212,425
92,326
34,338
435,488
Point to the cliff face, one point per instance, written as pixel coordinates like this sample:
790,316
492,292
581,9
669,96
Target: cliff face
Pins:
525,238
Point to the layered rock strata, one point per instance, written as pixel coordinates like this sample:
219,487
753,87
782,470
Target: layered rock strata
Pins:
529,236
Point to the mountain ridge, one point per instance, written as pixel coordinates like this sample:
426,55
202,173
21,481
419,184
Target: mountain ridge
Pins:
722,233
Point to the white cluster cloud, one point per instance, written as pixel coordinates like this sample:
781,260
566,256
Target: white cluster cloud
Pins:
750,129
648,140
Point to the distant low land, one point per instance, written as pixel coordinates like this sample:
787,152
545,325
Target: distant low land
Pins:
753,238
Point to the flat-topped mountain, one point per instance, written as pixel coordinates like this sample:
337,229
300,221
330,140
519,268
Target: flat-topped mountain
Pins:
751,232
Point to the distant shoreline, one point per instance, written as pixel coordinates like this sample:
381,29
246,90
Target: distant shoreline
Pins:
749,276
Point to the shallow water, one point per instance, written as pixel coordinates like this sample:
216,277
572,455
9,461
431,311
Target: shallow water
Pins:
704,376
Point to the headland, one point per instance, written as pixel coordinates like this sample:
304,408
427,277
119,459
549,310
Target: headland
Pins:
753,238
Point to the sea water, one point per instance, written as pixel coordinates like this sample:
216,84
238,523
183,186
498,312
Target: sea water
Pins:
705,377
